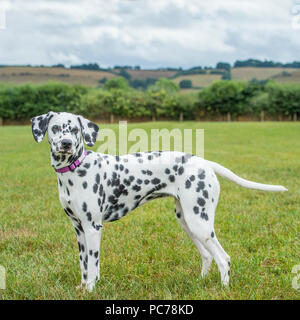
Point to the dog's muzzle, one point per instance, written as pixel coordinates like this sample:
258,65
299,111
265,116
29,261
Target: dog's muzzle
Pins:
66,146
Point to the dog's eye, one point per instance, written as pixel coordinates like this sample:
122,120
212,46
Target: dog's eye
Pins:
75,130
55,129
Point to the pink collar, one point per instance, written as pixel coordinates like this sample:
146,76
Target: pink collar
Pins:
73,165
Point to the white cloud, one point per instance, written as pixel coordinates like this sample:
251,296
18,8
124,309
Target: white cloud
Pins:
146,32
65,57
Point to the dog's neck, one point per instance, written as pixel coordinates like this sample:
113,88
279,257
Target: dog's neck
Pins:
59,161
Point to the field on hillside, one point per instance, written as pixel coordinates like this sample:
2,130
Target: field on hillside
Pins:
288,77
146,255
19,75
258,73
199,80
156,74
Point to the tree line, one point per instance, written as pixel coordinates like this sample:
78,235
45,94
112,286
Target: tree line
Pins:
193,70
198,69
162,100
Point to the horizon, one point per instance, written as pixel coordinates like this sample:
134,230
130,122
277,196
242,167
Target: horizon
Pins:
136,67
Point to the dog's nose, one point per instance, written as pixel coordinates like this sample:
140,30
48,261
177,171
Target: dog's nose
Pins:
66,144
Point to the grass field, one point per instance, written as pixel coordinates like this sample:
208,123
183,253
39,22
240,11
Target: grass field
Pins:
146,255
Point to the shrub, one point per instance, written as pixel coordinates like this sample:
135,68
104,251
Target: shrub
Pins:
226,97
169,86
161,100
116,83
26,101
283,98
185,84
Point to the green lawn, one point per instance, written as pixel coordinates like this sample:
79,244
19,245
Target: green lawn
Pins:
146,255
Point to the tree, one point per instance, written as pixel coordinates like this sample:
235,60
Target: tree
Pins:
116,83
59,65
186,106
284,99
89,66
223,65
154,100
125,74
229,98
169,86
185,84
226,75
102,80
142,83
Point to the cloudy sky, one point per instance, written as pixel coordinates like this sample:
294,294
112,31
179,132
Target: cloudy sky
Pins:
149,33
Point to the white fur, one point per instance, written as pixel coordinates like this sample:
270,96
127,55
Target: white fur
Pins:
105,188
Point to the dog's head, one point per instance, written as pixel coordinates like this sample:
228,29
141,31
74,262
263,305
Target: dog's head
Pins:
64,131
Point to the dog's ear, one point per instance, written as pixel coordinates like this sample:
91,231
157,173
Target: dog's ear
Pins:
39,125
89,131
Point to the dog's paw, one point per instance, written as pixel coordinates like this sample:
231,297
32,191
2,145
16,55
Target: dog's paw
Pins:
204,273
90,286
225,278
81,286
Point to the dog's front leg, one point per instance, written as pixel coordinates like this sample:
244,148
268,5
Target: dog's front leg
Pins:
82,250
91,259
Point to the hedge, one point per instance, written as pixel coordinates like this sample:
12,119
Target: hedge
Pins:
26,101
21,102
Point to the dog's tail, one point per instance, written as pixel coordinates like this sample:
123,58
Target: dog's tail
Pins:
226,173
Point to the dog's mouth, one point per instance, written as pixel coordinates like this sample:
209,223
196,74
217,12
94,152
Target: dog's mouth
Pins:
60,151
63,151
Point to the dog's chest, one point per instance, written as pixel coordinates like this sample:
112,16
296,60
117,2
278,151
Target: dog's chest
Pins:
81,186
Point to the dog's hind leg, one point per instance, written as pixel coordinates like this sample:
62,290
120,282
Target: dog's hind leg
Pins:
205,255
202,230
199,211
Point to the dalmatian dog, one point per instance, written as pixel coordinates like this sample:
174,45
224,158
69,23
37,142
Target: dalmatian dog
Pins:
95,188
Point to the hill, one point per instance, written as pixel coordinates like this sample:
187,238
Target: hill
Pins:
20,75
27,74
249,73
288,76
199,80
244,73
155,74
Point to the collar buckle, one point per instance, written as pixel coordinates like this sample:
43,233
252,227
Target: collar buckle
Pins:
72,167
